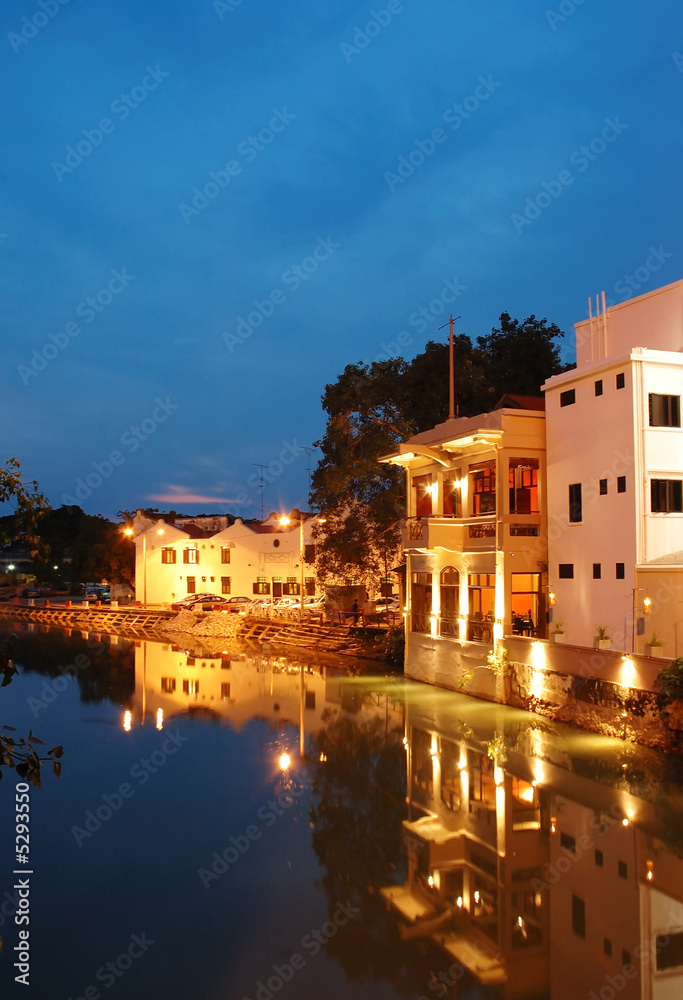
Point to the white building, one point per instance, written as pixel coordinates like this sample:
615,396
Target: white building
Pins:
187,557
615,476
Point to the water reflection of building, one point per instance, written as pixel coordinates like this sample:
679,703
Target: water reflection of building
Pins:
536,880
239,687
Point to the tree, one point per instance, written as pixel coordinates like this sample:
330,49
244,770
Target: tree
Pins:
97,548
371,408
29,505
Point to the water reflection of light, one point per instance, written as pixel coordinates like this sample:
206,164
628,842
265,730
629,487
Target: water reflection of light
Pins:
160,718
430,880
127,721
285,761
459,902
322,758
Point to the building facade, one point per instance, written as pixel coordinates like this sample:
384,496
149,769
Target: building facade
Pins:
260,559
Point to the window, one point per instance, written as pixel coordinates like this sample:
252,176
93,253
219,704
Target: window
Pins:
621,484
225,584
225,692
623,869
568,397
666,496
310,700
481,597
191,584
309,554
619,571
292,587
423,495
191,555
421,602
669,951
575,513
568,842
523,484
603,487
261,586
621,380
526,597
452,497
450,601
625,957
599,858
665,411
191,687
168,685
483,480
606,946
597,571
225,554
168,555
566,571
598,387
579,916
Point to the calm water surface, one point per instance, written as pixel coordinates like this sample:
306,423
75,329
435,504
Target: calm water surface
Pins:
417,843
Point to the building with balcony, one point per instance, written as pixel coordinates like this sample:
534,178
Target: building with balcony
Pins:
474,537
615,476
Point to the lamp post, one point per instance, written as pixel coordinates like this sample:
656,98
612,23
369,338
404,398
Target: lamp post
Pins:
284,521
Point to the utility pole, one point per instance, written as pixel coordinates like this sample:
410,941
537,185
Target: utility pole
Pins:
453,407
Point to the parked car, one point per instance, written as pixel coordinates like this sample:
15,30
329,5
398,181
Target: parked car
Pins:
386,604
237,605
194,600
314,603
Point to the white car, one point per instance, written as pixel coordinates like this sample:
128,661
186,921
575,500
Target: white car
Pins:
387,604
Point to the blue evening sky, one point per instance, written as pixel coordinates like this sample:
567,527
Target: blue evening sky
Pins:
211,208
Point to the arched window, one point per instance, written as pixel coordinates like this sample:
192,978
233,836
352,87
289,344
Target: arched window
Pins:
450,601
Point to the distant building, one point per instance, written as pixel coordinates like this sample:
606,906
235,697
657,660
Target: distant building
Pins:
190,555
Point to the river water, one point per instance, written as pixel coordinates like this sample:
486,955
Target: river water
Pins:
413,842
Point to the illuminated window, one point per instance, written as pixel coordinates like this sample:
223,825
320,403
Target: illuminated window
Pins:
452,497
168,685
225,692
523,485
292,588
225,554
191,687
450,775
225,584
666,496
421,602
664,411
483,488
450,601
191,555
168,555
423,495
261,586
481,600
525,600
191,584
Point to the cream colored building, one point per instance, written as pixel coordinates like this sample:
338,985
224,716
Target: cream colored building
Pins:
190,556
474,537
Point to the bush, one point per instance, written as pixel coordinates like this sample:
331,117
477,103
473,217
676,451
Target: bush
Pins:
394,645
670,678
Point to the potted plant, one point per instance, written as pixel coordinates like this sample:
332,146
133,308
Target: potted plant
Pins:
602,638
557,633
653,644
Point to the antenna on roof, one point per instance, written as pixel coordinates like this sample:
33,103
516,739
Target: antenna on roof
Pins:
453,407
261,483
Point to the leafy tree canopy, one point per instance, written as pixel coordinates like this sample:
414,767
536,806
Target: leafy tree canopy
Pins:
27,502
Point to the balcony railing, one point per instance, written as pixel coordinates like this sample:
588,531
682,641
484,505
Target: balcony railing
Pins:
450,627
